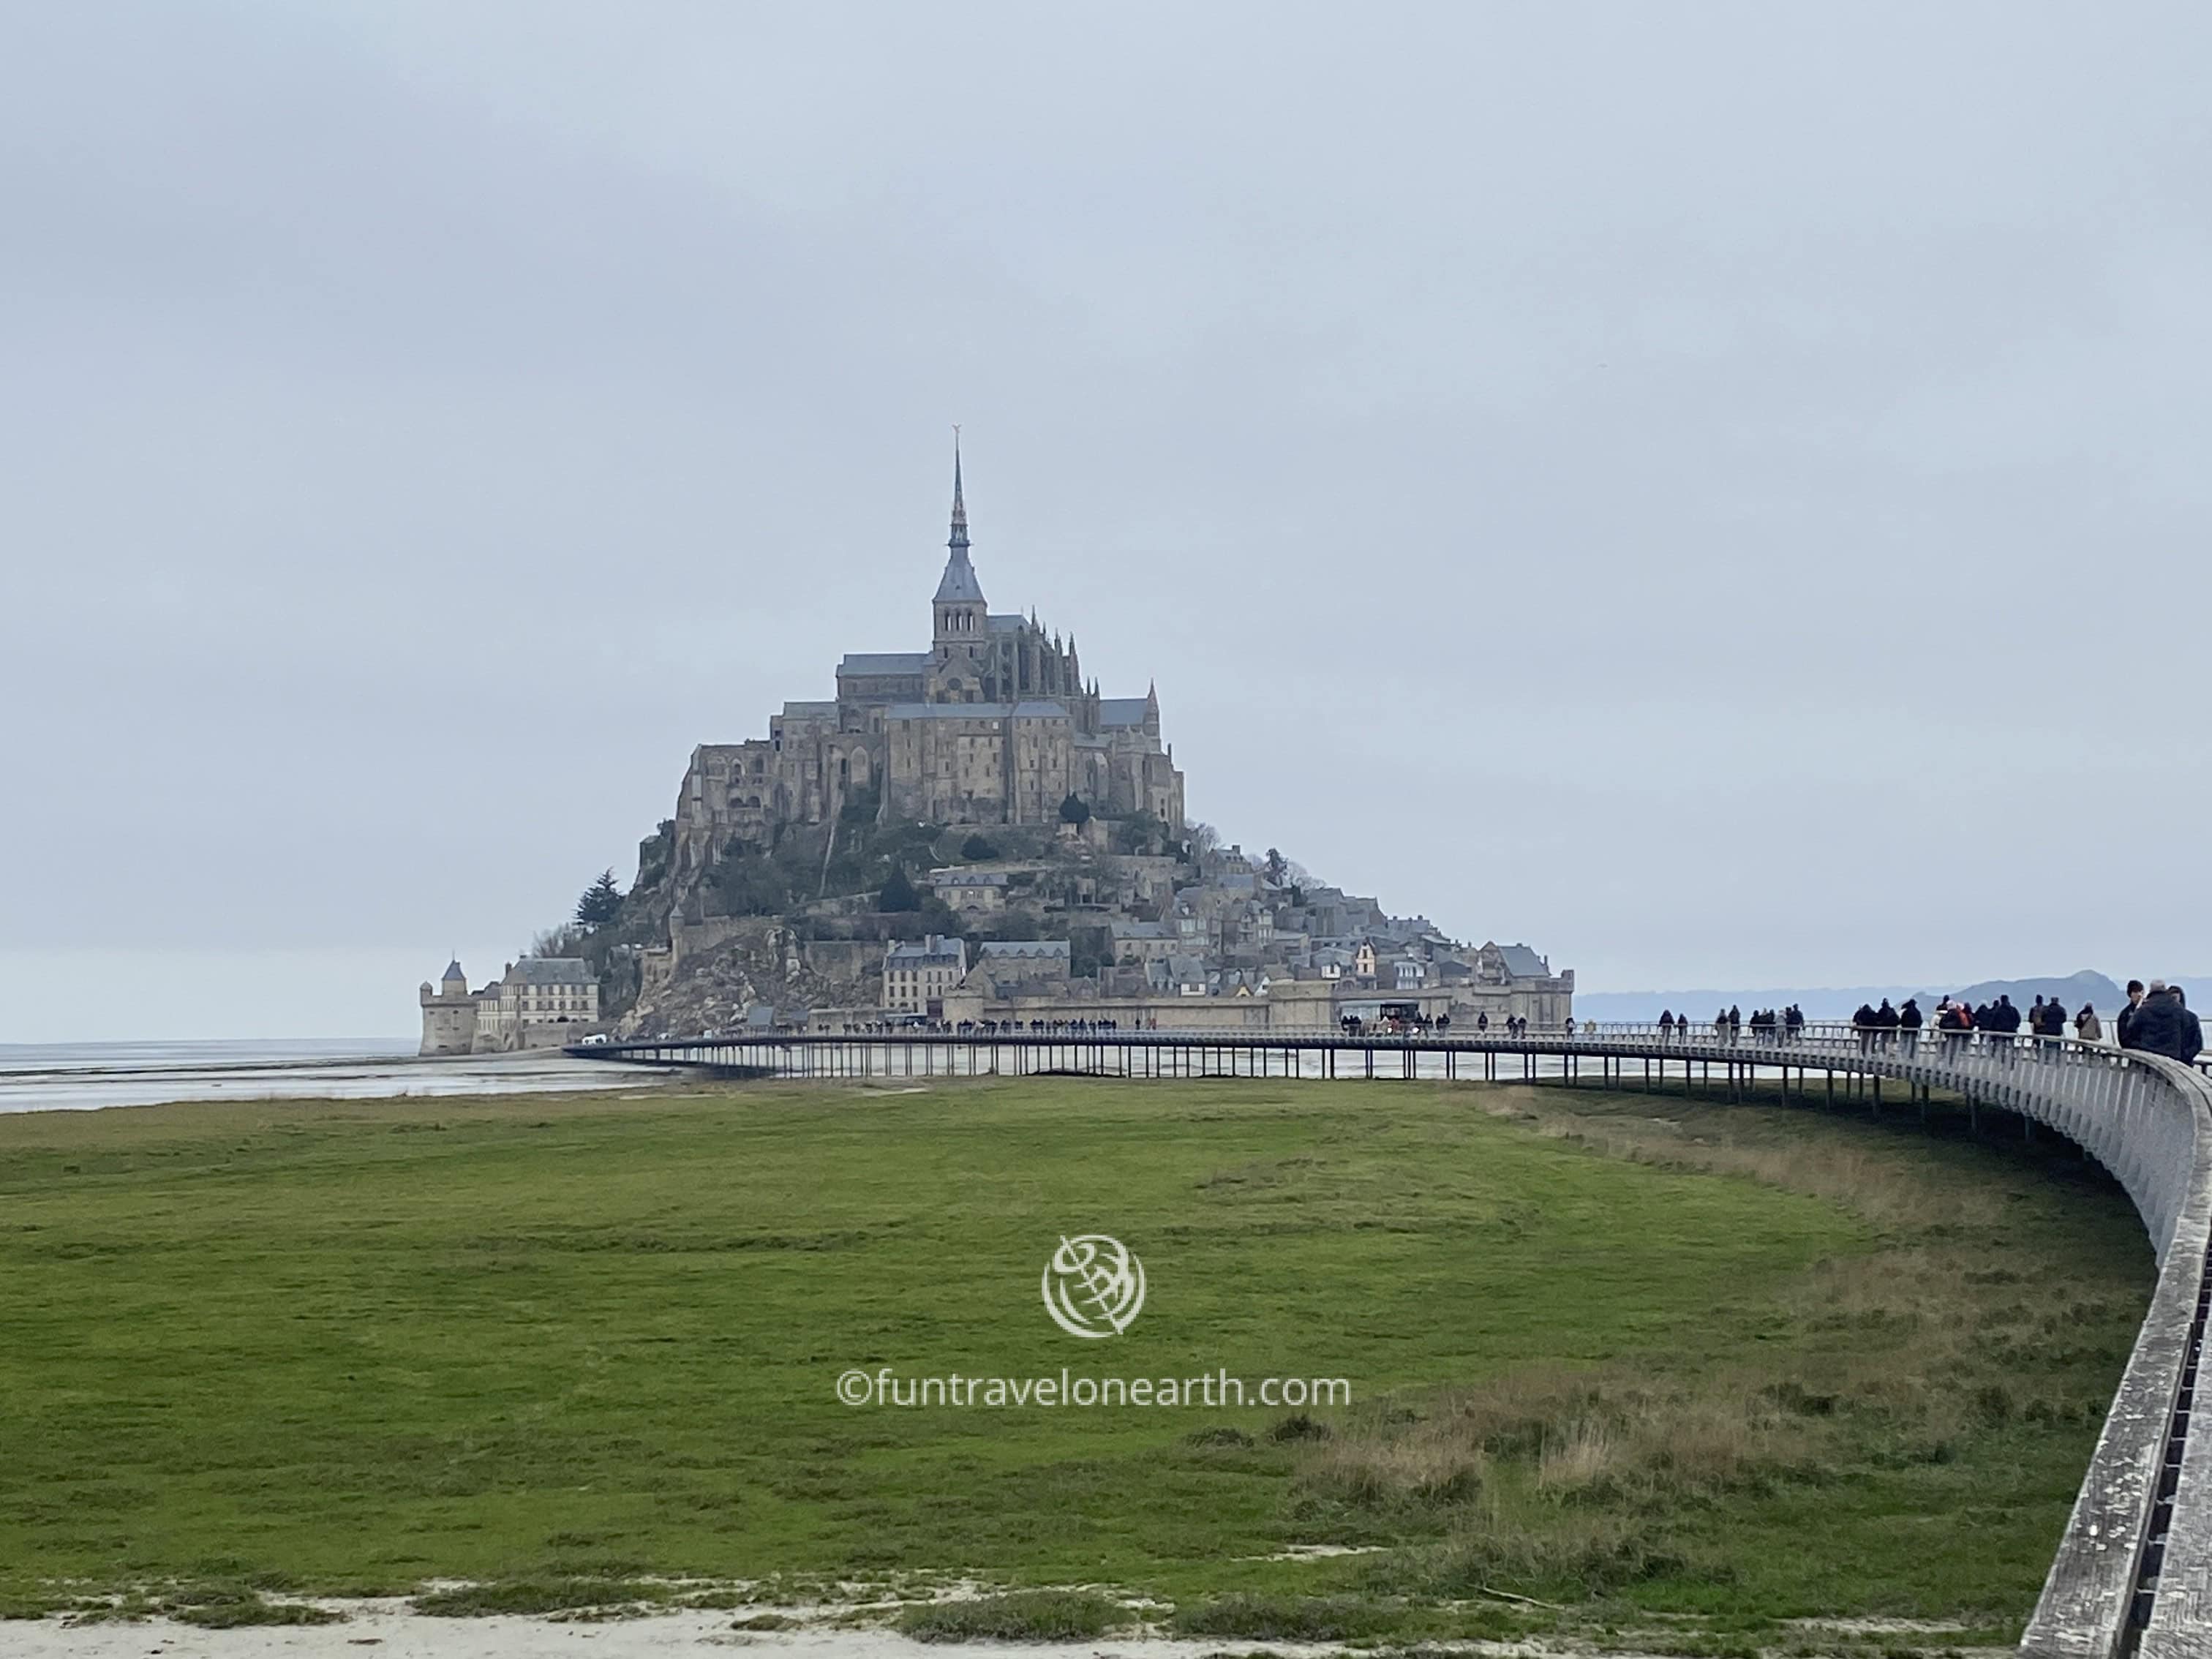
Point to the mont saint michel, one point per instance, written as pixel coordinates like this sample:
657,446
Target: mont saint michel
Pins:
970,834
995,724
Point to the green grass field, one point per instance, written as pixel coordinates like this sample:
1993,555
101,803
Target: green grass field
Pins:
1623,1355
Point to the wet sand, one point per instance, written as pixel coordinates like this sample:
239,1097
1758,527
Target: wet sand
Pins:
386,1630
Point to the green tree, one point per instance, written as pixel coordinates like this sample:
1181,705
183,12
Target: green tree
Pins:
601,903
976,848
1074,809
898,894
1089,949
1278,868
933,915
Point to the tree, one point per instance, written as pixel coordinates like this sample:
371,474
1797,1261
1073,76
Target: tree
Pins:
563,941
898,894
1074,809
976,848
1089,949
1277,868
601,903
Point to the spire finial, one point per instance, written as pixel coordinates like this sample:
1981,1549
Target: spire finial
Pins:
959,507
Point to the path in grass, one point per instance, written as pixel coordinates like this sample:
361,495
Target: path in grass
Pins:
350,1347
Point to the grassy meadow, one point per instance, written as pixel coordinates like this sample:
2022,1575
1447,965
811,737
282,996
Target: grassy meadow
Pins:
1619,1356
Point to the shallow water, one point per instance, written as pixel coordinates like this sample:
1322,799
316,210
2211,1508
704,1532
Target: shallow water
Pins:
81,1076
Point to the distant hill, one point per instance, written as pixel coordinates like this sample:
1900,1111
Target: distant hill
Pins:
2073,991
1841,1001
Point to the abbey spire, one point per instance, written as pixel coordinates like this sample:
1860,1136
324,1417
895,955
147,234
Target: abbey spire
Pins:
959,586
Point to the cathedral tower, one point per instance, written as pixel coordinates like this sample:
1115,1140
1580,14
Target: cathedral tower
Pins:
959,625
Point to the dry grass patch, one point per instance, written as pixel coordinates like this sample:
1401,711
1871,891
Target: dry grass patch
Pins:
1871,1183
1566,1436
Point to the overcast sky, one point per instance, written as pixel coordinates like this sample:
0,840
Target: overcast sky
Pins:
1717,492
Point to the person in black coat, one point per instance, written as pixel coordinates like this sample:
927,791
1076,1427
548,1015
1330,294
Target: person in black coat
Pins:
2126,1023
2164,1025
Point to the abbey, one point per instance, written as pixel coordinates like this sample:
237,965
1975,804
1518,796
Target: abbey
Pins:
994,724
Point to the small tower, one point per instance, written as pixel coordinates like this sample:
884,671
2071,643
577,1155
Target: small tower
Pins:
449,1014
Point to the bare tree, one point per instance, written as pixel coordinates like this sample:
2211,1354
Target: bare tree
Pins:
563,941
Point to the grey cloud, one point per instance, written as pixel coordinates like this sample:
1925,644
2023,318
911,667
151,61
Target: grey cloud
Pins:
1563,464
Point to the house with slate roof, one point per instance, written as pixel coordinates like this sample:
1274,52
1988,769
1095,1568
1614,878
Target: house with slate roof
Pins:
540,1002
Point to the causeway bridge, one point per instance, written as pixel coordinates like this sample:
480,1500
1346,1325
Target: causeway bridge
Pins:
2133,1573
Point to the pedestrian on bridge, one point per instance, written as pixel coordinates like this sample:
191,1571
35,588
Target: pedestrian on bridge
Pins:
2164,1025
1956,1023
2125,1023
1666,1025
2087,1026
2004,1021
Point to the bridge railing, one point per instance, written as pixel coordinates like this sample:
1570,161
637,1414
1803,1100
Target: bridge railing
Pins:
1826,1037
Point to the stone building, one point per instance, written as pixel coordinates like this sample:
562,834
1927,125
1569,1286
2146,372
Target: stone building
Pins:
992,724
919,973
1007,963
540,1002
981,892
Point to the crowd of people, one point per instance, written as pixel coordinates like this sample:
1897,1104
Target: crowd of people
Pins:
1766,1024
2157,1020
918,1026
